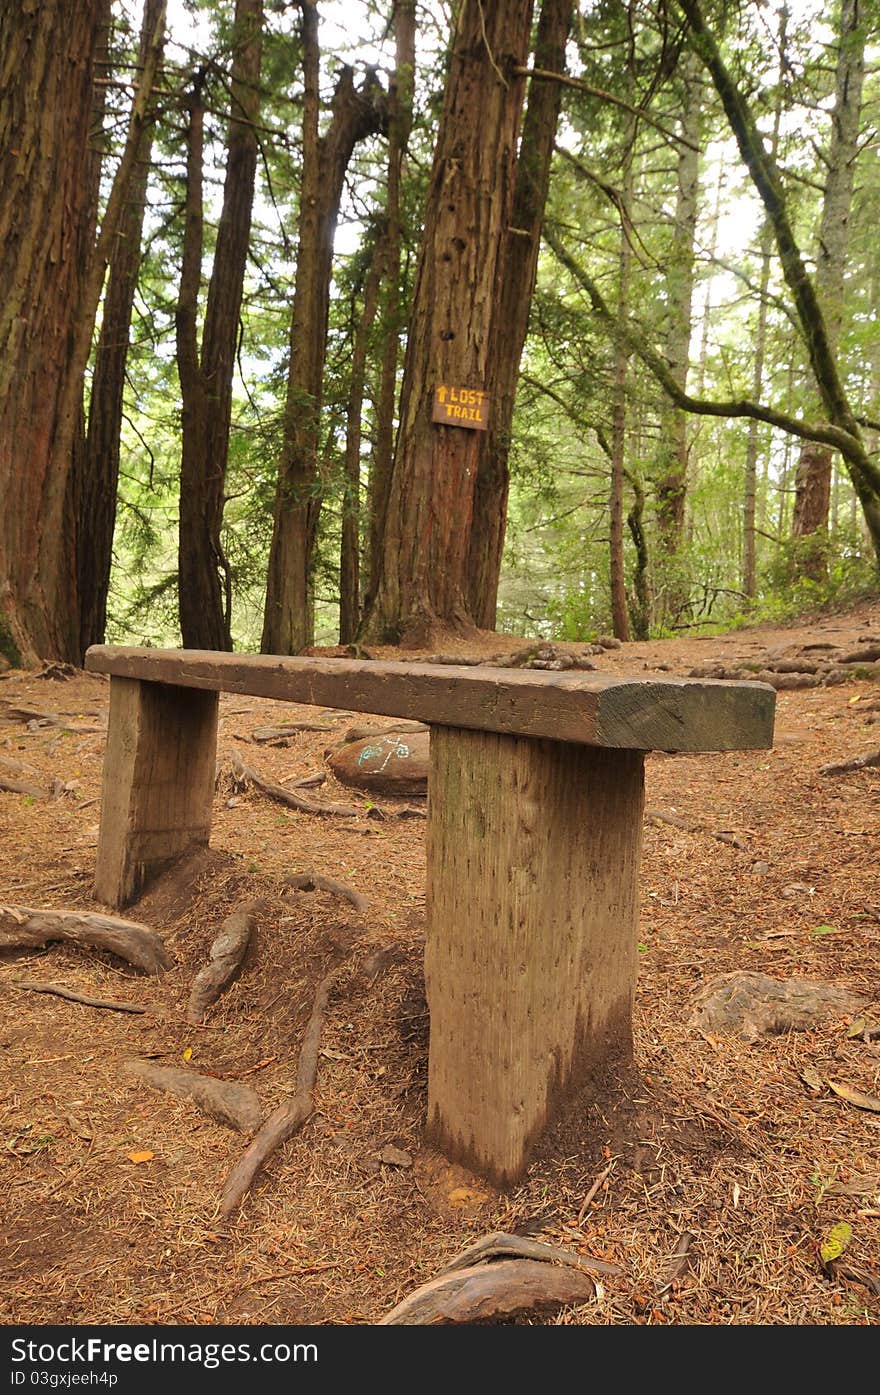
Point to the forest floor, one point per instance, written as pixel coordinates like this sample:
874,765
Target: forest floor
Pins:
726,1162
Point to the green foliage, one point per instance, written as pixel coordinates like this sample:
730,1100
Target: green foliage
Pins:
8,647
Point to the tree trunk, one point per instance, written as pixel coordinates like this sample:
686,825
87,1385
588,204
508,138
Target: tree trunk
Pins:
400,105
516,282
96,473
813,480
672,465
424,578
749,574
357,113
206,378
349,557
47,54
619,611
52,273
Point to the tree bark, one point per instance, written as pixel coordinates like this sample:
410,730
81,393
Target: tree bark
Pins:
52,272
749,572
349,558
96,472
400,107
206,376
424,580
47,55
357,112
672,462
813,479
516,282
619,610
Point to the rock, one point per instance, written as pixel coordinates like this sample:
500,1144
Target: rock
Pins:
393,763
608,642
395,1157
754,1005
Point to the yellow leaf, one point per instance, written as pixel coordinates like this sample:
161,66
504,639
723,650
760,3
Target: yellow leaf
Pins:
143,1156
856,1097
187,1055
835,1242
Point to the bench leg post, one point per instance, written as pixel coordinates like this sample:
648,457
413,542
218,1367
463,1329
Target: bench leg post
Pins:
158,782
530,964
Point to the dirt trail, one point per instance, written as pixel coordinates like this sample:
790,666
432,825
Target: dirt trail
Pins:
111,1190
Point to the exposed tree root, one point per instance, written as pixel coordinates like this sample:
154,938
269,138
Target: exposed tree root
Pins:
23,928
847,766
238,1106
290,1116
226,958
487,1292
688,826
245,774
59,991
313,881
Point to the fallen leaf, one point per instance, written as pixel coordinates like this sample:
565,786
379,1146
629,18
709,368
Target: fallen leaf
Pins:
835,1242
812,1078
824,930
187,1055
856,1097
857,1027
144,1155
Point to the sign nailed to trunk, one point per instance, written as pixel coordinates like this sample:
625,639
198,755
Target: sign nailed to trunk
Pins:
461,406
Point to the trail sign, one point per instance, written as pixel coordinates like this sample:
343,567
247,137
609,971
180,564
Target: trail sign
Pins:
461,406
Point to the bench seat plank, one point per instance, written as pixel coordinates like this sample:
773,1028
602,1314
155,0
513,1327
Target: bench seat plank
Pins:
592,709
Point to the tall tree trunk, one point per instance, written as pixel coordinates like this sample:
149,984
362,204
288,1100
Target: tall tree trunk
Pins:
206,377
672,463
516,282
425,548
813,481
749,574
349,555
96,474
400,108
619,610
52,273
47,55
357,112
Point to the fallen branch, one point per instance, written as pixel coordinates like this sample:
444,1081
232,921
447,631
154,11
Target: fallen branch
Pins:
245,774
847,766
225,960
238,1106
687,826
291,1115
23,928
485,1292
313,881
11,772
111,1004
31,715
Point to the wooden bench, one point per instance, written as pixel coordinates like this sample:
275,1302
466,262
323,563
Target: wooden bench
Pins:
533,844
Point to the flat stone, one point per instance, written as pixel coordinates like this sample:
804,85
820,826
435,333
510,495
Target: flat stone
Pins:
754,1005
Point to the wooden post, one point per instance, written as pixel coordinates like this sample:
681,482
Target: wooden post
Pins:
158,782
533,859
